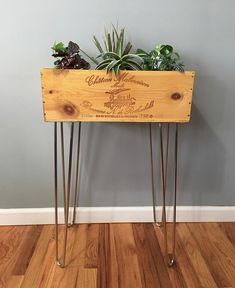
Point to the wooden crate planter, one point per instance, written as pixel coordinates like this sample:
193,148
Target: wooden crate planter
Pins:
135,96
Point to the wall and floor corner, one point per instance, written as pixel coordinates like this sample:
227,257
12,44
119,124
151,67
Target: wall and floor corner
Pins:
115,170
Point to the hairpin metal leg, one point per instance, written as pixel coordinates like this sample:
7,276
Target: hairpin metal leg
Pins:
56,195
77,174
63,166
175,189
166,159
61,263
167,153
152,177
159,224
68,191
170,258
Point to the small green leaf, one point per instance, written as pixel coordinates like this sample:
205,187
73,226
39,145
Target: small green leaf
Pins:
177,55
122,41
112,65
115,31
114,42
109,42
97,44
105,45
103,64
132,56
111,55
140,51
127,49
58,47
137,65
118,47
131,66
166,50
116,69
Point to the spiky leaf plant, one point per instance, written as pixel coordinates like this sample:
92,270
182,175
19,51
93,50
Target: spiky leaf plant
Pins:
115,53
162,58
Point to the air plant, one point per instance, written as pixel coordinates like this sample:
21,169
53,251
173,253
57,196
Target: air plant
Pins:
162,58
68,57
116,54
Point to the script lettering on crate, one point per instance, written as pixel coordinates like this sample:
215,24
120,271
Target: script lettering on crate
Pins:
115,81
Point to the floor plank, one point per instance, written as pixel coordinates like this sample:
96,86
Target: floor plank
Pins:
32,277
228,230
200,265
11,242
149,272
158,257
182,274
104,259
118,256
217,251
87,278
26,250
14,281
126,252
91,258
76,245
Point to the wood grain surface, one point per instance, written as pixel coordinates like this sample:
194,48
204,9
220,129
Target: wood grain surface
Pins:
134,96
118,256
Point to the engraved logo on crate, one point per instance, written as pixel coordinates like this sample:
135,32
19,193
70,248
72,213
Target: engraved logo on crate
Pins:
119,101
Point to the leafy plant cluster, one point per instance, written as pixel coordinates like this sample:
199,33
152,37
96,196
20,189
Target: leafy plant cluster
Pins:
115,55
161,58
68,57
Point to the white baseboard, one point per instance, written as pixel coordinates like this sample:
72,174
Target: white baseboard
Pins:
30,216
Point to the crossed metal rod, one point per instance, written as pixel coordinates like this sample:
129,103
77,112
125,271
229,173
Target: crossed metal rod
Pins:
169,257
66,194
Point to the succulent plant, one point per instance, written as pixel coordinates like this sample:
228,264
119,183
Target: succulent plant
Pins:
114,62
162,58
115,54
68,57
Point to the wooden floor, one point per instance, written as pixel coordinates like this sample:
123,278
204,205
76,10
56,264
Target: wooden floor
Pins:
118,255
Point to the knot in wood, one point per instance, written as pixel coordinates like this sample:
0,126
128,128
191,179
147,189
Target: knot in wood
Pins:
176,96
68,109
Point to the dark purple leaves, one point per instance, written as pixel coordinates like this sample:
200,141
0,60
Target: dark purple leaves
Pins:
68,57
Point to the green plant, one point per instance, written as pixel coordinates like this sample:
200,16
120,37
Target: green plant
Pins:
162,58
116,54
68,57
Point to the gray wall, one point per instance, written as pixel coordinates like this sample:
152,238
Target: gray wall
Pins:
114,163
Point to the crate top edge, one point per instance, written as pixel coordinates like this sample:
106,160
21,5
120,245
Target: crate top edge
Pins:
82,71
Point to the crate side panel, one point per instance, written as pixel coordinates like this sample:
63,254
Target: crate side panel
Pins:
135,96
